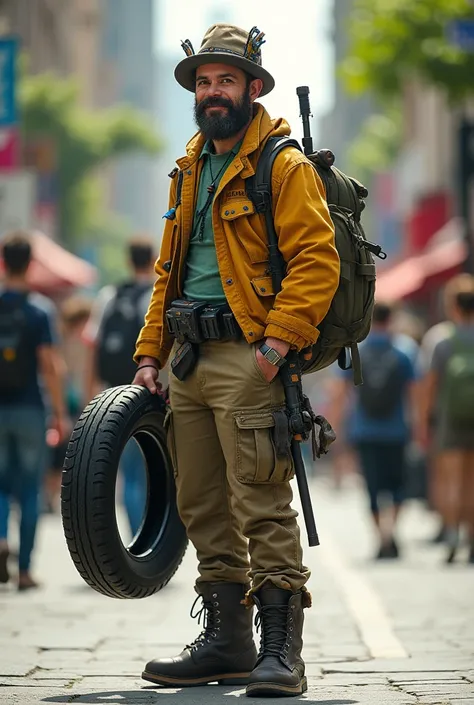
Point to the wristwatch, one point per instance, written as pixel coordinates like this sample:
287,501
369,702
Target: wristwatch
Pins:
272,356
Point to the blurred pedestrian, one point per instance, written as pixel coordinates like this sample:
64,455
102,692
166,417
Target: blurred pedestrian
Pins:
379,422
74,314
344,461
408,331
438,332
450,391
28,350
116,319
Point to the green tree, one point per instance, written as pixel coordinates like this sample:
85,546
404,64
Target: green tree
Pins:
396,39
376,146
84,140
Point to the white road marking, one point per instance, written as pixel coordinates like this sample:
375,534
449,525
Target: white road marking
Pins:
363,602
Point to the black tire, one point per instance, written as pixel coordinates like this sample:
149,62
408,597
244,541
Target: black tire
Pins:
88,496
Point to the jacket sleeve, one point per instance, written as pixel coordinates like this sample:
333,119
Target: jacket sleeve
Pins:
151,335
306,241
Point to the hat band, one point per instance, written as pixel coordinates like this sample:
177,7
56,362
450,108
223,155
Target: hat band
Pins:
254,59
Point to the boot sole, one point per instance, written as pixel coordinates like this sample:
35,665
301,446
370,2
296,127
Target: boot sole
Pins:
222,679
272,690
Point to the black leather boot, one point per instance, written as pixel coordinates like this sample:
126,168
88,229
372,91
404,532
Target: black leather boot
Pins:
224,651
280,668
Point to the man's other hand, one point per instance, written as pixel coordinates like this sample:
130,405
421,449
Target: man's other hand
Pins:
270,371
147,374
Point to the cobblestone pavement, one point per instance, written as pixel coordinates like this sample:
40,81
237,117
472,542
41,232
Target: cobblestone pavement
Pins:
392,633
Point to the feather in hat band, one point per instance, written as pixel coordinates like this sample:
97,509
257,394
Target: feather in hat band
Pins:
254,42
188,47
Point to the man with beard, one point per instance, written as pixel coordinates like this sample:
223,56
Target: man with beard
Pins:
233,489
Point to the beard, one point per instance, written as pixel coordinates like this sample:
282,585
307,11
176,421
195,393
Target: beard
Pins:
222,126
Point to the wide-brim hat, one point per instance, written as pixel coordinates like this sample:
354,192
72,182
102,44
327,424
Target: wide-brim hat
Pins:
225,44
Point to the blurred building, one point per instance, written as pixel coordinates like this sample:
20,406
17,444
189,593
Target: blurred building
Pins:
341,125
107,45
128,66
427,191
57,36
414,206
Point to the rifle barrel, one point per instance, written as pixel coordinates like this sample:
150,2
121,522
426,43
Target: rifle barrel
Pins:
302,480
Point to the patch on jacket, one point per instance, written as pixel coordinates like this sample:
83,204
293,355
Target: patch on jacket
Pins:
239,193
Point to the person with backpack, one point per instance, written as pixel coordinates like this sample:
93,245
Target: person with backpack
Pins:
116,319
381,413
435,334
215,314
449,392
30,365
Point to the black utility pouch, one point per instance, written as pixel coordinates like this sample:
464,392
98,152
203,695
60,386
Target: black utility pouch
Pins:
211,322
183,320
231,328
184,361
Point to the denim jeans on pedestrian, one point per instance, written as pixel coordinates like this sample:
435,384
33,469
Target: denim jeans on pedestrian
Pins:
23,453
134,484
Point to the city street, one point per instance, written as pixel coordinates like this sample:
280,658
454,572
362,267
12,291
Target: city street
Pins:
382,633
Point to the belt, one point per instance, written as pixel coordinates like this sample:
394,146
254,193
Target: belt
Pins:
198,321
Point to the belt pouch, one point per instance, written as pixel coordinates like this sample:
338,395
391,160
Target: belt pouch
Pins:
211,323
183,320
231,327
184,361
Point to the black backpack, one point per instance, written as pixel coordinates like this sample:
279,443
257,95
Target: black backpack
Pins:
15,343
349,318
383,385
118,333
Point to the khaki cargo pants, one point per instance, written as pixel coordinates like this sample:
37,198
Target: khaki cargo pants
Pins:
233,492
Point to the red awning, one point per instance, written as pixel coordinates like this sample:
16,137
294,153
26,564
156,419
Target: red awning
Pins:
52,267
446,253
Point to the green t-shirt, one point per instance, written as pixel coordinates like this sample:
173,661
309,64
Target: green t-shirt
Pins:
202,280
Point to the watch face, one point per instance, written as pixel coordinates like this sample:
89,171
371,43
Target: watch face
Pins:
273,357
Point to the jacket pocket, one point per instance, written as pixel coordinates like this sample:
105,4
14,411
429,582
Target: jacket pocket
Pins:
168,427
256,458
240,217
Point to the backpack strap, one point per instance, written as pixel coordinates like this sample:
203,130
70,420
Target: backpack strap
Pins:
259,190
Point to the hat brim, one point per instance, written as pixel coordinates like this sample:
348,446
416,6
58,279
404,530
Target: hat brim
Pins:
185,71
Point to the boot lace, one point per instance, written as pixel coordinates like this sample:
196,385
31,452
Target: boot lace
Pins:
209,614
272,620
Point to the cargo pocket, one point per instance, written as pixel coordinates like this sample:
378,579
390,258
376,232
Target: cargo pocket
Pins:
168,427
256,459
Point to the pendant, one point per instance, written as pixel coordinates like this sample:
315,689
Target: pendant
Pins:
211,188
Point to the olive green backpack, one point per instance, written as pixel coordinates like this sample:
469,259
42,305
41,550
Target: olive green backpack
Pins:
348,320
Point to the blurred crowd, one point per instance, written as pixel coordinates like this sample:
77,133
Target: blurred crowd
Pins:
55,356
406,433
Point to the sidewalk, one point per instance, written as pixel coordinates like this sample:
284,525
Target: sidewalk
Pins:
378,633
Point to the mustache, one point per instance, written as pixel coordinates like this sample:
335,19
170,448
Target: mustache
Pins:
213,102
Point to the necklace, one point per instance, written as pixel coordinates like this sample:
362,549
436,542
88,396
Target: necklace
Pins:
201,214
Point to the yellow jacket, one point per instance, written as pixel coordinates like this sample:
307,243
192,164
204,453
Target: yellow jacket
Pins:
305,238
